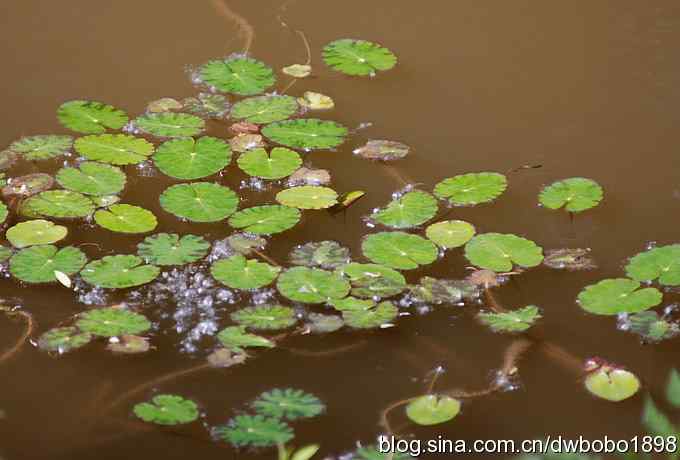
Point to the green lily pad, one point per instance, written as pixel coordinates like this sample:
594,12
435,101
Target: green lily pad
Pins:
116,149
288,404
322,254
308,197
199,201
358,57
104,201
167,410
264,109
652,327
382,150
237,272
471,189
170,249
399,250
311,285
5,253
372,280
265,317
499,251
187,158
63,339
307,133
170,124
125,218
35,232
432,409
165,104
442,291
378,316
42,147
92,178
265,220
254,431
59,204
281,162
450,233
90,117
662,263
409,210
352,304
315,101
37,264
619,295
120,271
612,384
207,105
27,185
112,321
237,75
575,194
236,338
298,70
512,321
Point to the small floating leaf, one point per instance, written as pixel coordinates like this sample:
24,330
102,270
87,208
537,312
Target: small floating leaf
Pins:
399,250
441,291
264,109
378,316
42,147
372,280
244,243
311,285
117,272
63,339
125,218
167,410
170,124
662,263
165,104
90,117
307,197
382,150
612,384
236,338
254,431
348,199
129,345
187,158
223,357
652,327
243,127
306,452
318,323
92,178
199,201
265,220
307,133
63,278
323,254
237,272
112,322
104,201
244,142
575,194
298,70
432,409
569,259
499,251
265,317
471,189
5,253
315,101
280,163
409,210
307,176
358,57
169,249
58,203
512,321
116,149
619,295
35,232
38,264
238,75
208,105
450,233
288,404
28,185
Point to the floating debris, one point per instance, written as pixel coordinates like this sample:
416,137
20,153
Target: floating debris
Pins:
382,150
569,259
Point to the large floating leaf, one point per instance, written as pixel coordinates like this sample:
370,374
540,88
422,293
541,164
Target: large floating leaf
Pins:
307,197
450,233
42,147
382,150
58,203
575,194
92,178
265,220
311,285
307,133
281,162
358,57
121,271
512,321
409,210
378,316
34,232
207,105
112,321
187,158
199,201
619,295
323,254
473,188
612,384
662,263
116,149
170,249
265,317
236,338
372,280
28,185
238,75
38,264
167,410
170,124
237,272
288,404
499,251
264,109
63,339
255,431
432,409
125,218
90,117
399,250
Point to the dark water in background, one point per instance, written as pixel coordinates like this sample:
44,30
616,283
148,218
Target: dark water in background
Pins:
583,88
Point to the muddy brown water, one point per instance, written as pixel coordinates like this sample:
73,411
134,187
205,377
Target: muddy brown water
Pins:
583,88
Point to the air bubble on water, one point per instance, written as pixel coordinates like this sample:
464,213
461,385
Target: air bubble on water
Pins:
253,183
221,249
146,169
623,322
90,295
262,296
364,125
131,128
650,245
670,309
423,309
505,382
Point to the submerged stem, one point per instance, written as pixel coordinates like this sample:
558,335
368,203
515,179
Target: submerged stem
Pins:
30,324
245,29
326,353
265,257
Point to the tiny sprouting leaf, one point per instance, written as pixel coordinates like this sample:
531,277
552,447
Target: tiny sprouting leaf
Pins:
612,384
307,176
167,409
59,204
471,189
399,250
318,323
187,159
238,75
120,271
246,141
279,163
652,327
207,105
235,338
512,321
450,233
298,70
126,218
656,422
315,101
322,254
662,263
265,317
112,322
499,251
358,57
432,409
27,185
576,194
442,291
673,388
372,280
91,178
90,117
379,316
164,104
254,431
569,259
199,201
407,211
63,339
116,149
306,133
382,150
34,232
266,219
42,147
307,197
129,345
288,404
170,249
38,264
264,109
619,295
311,285
237,272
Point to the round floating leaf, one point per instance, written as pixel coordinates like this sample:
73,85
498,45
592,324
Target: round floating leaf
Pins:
378,316
307,133
311,285
165,104
239,273
5,253
58,203
399,250
245,243
42,147
323,254
662,263
307,176
92,178
432,409
170,124
266,317
307,197
125,218
38,264
63,339
187,158
358,57
612,384
471,189
382,150
238,75
265,220
372,280
298,70
28,185
236,338
288,404
207,105
264,109
105,201
35,232
352,304
575,194
167,410
255,431
112,321
281,162
450,233
90,117
318,323
409,210
512,321
619,295
169,249
116,149
129,344
121,271
244,142
199,201
315,101
437,291
498,251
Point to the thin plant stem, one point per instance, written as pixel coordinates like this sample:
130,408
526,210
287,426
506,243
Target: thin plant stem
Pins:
326,353
265,257
30,325
384,415
245,29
